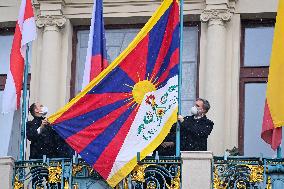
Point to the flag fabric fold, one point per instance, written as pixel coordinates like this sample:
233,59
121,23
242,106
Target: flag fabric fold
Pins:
96,59
25,32
273,118
131,105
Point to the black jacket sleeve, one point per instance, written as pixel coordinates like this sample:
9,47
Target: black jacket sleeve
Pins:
32,133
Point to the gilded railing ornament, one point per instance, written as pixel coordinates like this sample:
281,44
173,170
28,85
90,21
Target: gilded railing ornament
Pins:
76,186
138,173
269,186
256,174
18,184
76,169
54,175
217,182
151,185
175,182
66,184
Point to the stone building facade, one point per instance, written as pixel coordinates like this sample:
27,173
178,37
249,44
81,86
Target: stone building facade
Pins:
226,53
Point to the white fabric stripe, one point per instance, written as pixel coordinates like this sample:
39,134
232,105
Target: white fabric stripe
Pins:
29,31
22,14
133,143
9,99
28,34
87,69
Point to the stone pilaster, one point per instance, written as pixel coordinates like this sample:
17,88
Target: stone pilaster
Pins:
50,65
213,87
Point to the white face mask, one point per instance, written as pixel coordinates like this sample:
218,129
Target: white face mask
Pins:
44,110
194,110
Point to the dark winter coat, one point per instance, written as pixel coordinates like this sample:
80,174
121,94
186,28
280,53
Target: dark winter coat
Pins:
47,142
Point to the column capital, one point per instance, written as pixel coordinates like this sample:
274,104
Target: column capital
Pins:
216,15
43,21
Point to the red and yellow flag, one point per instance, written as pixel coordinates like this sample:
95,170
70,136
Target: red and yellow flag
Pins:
273,118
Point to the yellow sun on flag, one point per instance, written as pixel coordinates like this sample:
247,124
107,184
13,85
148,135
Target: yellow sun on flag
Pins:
141,88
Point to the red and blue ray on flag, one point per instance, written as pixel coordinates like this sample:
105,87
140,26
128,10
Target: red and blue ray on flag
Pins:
131,105
96,59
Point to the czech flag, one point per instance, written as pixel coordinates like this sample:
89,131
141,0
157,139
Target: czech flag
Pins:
25,32
273,119
131,105
96,53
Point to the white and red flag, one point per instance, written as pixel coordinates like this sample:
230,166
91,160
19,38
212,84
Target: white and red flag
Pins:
25,32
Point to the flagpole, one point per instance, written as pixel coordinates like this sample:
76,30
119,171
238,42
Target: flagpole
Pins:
279,154
179,80
24,105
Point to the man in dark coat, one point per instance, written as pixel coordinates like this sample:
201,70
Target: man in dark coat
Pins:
194,130
44,140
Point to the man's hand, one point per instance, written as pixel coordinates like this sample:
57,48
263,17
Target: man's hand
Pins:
167,144
44,123
180,118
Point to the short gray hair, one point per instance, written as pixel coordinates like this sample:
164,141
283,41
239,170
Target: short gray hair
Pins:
206,104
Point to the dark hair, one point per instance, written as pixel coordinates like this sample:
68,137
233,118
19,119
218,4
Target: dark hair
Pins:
206,104
32,109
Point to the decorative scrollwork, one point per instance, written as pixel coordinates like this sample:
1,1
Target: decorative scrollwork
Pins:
54,175
216,14
242,174
138,173
152,176
175,182
58,21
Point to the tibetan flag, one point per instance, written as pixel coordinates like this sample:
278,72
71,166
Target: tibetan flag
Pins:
273,118
96,52
25,32
131,105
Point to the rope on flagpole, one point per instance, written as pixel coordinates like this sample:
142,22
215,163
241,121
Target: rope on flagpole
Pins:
179,80
24,106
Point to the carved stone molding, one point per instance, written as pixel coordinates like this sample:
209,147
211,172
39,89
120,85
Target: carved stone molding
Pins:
43,21
216,15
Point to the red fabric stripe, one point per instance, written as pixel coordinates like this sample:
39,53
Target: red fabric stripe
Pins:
173,62
171,25
98,64
17,63
105,162
270,134
91,102
28,10
135,63
80,140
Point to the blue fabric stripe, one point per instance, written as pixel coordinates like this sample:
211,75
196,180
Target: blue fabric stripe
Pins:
72,126
97,146
156,37
117,81
173,72
99,41
173,46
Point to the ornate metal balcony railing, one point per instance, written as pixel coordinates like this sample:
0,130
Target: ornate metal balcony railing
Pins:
242,173
76,174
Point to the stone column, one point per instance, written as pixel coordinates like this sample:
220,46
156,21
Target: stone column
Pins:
6,172
213,87
196,169
51,61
